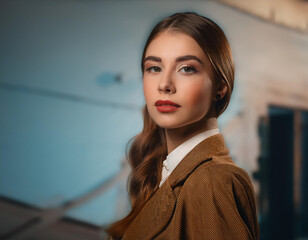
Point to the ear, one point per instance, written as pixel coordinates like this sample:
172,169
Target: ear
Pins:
221,92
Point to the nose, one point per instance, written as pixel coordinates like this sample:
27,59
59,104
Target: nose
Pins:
166,84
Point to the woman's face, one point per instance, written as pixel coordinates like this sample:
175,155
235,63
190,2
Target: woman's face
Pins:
177,80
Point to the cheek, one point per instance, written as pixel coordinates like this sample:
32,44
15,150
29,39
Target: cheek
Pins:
147,90
200,95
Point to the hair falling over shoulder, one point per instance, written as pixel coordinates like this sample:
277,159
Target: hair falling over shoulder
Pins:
145,156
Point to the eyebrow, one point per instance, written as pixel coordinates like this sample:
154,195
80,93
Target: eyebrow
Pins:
188,57
152,58
178,59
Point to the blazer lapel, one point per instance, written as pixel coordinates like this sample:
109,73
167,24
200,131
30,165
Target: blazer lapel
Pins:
154,216
203,152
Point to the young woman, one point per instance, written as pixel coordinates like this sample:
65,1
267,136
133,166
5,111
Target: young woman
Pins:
183,183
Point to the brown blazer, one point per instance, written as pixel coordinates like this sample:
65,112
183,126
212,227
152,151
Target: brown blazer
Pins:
206,197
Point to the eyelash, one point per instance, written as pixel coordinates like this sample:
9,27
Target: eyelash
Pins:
188,69
149,69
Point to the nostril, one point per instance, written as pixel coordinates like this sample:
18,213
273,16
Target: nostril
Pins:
166,88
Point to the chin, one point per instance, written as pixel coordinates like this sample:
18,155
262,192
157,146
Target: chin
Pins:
164,124
188,123
169,125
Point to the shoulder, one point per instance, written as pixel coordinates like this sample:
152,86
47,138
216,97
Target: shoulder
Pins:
220,176
219,168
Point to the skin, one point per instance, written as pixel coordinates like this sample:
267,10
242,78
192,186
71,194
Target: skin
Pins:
176,69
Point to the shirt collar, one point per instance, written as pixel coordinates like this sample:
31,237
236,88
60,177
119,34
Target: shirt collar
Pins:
175,157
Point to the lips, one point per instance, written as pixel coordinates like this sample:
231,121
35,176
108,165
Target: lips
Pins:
166,106
166,103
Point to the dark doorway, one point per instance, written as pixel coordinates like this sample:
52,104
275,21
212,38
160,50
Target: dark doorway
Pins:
283,174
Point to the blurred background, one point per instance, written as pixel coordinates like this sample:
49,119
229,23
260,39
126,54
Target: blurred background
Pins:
71,98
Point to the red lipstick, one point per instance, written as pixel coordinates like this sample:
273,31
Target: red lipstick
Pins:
166,106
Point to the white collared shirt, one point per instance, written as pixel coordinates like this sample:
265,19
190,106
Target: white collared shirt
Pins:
176,156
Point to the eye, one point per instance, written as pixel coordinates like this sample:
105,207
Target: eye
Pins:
153,69
188,69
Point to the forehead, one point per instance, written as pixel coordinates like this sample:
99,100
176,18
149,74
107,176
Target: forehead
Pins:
174,44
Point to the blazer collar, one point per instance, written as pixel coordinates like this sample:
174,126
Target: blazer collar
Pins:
204,151
159,209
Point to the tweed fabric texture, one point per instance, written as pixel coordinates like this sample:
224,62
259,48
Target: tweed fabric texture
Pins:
206,197
175,157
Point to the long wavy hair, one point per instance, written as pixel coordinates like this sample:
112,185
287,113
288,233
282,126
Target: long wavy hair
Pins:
148,149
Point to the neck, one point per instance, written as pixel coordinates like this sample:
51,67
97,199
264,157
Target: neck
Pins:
177,136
